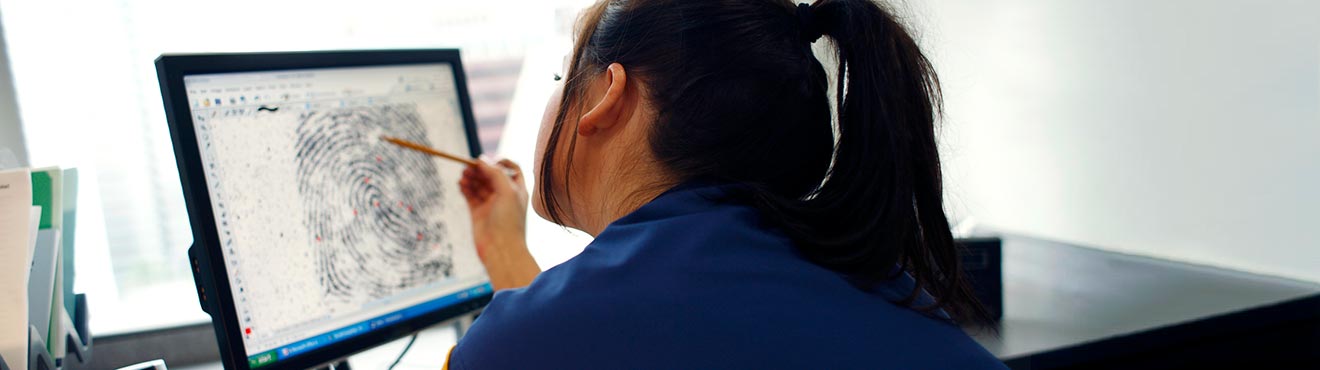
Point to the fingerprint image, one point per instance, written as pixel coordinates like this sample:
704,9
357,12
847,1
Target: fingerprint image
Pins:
369,203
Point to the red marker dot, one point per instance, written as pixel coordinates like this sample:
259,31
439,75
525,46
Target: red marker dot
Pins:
366,180
419,236
355,211
318,238
247,330
410,209
378,159
378,204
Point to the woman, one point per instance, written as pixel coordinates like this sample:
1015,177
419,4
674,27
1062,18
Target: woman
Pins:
736,226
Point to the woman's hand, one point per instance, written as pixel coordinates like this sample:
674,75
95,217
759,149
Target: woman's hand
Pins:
498,203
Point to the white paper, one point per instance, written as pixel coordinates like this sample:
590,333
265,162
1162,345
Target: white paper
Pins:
55,339
41,288
15,215
34,220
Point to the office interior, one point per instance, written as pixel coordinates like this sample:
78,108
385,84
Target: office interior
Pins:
1149,169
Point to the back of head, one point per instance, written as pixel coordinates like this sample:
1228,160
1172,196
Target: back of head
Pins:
741,98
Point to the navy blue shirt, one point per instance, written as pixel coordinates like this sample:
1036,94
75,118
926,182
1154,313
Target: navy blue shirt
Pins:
689,281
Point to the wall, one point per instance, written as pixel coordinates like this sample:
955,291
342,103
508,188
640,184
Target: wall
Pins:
1181,129
11,131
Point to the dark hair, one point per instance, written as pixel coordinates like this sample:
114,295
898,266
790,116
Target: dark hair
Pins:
741,98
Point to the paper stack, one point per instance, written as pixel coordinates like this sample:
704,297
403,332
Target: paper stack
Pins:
16,243
46,290
41,287
37,212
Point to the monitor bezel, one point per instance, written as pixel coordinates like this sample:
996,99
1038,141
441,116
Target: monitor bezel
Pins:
212,278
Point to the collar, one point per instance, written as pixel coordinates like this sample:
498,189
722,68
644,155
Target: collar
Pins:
692,196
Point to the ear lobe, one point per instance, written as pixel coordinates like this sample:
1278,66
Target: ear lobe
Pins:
611,106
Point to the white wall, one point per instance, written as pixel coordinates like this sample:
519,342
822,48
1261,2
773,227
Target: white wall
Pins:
1181,129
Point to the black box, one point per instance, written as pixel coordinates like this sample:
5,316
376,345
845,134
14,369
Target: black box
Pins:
982,261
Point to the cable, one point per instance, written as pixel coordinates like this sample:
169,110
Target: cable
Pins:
405,351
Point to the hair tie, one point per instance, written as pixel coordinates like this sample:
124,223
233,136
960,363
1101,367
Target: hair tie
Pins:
807,22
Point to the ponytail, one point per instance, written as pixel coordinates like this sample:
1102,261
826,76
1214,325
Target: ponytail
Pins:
741,99
881,204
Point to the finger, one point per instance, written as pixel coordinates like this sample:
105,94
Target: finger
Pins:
469,189
467,194
474,174
512,169
510,164
493,174
465,184
469,184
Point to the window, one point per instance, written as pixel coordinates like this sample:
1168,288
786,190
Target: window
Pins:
88,98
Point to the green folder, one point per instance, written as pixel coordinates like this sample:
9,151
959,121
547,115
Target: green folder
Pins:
46,185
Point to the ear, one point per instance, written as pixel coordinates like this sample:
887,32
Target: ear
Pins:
611,108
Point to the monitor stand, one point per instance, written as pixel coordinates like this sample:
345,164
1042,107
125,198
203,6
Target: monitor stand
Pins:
340,364
460,324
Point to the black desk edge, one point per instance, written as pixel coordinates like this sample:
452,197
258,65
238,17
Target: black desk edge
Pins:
1287,331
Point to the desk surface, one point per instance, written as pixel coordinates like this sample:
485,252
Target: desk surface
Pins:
1058,295
429,352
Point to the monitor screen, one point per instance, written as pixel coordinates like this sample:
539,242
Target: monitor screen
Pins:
327,232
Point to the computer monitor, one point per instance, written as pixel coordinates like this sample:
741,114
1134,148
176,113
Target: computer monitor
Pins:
314,239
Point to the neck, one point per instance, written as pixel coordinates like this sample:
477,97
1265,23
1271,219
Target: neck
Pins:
619,173
618,192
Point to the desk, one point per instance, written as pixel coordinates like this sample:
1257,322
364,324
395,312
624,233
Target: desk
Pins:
1058,295
429,352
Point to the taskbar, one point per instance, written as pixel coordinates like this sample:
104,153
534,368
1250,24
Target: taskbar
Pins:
318,341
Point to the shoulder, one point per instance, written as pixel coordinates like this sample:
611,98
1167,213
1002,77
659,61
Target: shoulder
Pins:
558,318
504,336
571,315
695,283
